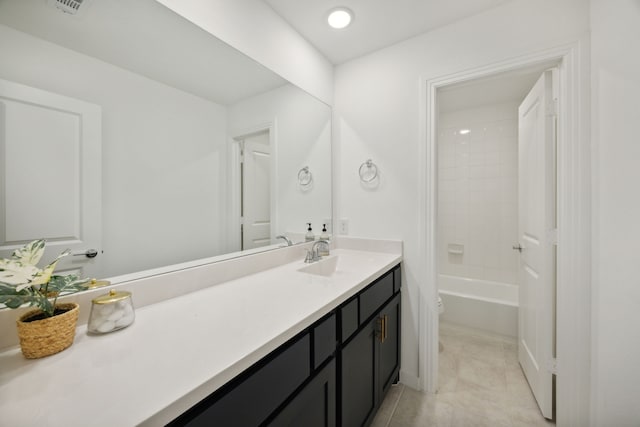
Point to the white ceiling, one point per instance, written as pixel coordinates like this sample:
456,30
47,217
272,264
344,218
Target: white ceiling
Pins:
145,37
377,24
512,86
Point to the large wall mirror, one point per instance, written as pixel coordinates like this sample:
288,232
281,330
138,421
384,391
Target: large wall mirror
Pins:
202,152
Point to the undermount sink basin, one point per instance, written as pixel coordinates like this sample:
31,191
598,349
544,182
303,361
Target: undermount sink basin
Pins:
325,267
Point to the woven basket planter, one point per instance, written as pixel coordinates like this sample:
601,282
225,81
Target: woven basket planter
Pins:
50,335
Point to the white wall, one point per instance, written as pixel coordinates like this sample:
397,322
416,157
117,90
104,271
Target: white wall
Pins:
376,116
478,192
615,88
156,141
302,138
253,28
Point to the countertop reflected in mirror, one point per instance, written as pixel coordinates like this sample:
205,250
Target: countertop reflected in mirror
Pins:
201,147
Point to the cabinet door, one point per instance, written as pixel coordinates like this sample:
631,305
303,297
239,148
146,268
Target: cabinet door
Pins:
315,405
358,377
390,344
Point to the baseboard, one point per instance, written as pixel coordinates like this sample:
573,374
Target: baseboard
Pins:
410,380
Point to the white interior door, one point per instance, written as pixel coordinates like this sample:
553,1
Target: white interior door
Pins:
537,228
50,175
256,191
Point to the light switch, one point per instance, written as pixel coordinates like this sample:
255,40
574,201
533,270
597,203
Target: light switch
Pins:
343,226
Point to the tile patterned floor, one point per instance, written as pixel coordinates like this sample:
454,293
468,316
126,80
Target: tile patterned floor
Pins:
480,384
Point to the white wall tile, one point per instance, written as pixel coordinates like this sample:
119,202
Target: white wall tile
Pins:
478,175
492,157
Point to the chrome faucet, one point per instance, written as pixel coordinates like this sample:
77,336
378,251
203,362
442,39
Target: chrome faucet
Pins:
286,239
314,254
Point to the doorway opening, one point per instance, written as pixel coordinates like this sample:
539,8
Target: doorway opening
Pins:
253,189
490,134
573,231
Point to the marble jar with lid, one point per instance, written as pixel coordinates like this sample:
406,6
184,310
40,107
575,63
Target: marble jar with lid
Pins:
111,312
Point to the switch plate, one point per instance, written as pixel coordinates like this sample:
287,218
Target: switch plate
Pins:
343,226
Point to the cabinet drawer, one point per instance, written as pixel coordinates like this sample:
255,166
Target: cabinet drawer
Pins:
263,391
372,298
324,340
349,318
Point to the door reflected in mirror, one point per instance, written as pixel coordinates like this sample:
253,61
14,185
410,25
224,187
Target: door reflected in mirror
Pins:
255,190
200,146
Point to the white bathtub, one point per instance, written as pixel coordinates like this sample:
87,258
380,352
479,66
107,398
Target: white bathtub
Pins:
480,304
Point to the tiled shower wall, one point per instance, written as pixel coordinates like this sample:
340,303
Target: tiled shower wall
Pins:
478,193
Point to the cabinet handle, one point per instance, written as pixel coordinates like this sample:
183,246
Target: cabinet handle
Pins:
386,320
383,328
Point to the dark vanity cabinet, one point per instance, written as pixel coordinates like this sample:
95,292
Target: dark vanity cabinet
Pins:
315,405
370,357
333,374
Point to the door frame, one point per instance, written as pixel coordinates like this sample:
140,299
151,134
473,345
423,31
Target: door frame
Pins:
573,328
233,238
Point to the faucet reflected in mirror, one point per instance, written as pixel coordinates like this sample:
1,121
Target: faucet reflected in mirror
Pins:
286,239
168,119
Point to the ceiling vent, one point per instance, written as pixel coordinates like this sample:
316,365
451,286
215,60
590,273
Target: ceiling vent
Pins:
72,7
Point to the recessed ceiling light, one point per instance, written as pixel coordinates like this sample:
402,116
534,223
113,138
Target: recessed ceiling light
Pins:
464,131
340,18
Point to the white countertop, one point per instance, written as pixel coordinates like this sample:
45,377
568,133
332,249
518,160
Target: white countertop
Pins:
177,351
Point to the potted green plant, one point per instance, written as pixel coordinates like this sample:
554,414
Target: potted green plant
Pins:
51,327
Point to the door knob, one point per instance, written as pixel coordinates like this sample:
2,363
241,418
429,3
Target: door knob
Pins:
89,253
518,248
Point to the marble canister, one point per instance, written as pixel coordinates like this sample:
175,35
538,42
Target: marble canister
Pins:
111,312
